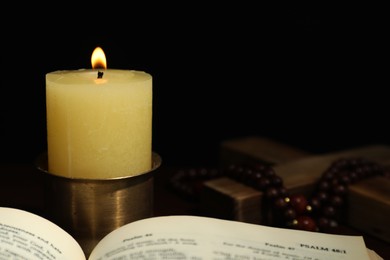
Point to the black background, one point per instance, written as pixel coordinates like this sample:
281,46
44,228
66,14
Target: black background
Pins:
313,76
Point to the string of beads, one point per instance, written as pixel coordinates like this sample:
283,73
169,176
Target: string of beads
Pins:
321,212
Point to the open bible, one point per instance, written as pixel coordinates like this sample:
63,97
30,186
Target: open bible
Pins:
24,235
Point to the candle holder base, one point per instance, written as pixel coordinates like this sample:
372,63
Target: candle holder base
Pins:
88,209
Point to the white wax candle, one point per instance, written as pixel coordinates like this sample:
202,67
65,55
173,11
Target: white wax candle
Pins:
99,128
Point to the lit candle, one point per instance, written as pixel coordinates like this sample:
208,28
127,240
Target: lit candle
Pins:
99,121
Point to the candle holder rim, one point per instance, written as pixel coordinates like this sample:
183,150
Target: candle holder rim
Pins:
41,163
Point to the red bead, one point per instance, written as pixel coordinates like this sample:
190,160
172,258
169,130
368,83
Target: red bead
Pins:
336,201
323,185
272,193
269,172
322,196
276,181
315,203
290,214
280,203
323,223
262,184
340,189
306,223
299,203
329,211
282,191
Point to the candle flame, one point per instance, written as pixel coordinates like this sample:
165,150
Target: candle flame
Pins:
98,59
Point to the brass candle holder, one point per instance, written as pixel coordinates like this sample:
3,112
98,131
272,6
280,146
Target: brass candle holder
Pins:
88,209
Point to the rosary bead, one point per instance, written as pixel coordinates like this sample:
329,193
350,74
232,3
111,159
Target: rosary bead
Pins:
192,173
235,171
269,172
329,211
282,191
340,189
323,185
306,223
276,181
315,203
328,175
345,179
299,203
262,183
272,193
323,223
353,176
260,167
333,223
257,175
336,201
280,203
246,176
322,196
290,214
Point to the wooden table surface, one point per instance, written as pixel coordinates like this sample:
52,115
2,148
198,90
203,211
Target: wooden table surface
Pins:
21,187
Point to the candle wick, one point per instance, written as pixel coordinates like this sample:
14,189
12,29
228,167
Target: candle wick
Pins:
100,74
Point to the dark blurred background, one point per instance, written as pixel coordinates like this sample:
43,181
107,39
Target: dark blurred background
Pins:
312,76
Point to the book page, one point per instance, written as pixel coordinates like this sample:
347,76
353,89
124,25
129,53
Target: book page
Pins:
24,235
196,238
373,255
